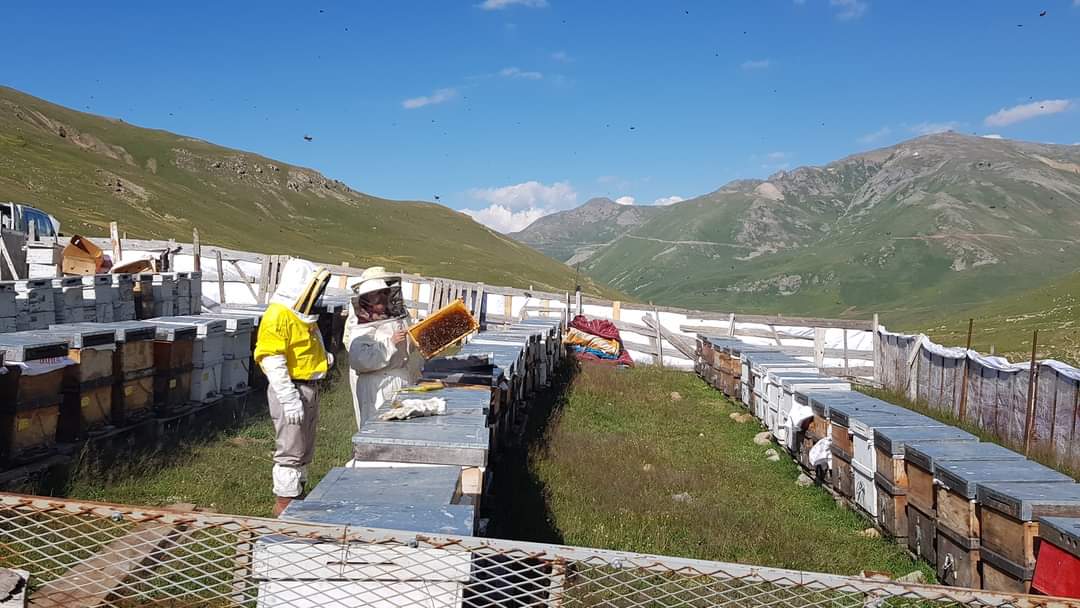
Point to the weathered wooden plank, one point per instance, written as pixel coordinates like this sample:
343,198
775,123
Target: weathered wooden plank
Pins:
88,583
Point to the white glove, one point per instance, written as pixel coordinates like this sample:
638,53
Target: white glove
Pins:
277,373
415,408
329,360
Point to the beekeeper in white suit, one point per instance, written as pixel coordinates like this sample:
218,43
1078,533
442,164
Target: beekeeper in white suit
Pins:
380,358
291,353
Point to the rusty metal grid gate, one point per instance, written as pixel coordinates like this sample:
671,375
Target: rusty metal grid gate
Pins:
95,554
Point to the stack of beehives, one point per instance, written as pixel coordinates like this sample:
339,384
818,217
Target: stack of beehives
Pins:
68,299
98,298
44,258
124,297
35,304
8,308
165,292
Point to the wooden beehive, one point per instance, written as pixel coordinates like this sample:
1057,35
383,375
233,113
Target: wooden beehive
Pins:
921,459
957,558
172,389
921,533
29,403
1009,527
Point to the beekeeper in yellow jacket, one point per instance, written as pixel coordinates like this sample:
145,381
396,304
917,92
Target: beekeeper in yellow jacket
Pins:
291,353
381,360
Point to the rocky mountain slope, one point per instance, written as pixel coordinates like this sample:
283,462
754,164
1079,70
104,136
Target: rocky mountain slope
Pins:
938,223
89,170
573,236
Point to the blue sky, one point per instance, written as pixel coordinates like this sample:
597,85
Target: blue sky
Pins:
515,108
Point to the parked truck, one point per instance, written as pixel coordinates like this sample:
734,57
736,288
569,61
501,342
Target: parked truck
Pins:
20,217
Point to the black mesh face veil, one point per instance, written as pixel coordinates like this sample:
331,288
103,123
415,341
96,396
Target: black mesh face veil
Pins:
380,305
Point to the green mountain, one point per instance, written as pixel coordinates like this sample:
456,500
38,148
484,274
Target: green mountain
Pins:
573,236
927,227
89,170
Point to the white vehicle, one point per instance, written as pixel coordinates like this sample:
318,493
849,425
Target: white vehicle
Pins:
19,217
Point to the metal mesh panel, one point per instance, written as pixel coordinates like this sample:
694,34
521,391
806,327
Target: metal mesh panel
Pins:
93,554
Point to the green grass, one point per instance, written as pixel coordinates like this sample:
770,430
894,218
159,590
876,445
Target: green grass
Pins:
226,470
620,449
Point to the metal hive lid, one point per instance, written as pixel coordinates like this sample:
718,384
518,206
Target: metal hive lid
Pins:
1025,501
204,326
81,335
233,323
965,477
171,332
124,331
122,278
24,346
893,440
927,454
870,420
1061,531
28,284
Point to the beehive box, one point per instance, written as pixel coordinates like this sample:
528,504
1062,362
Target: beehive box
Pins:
1009,527
1057,568
143,289
756,367
34,296
196,293
797,382
210,338
922,458
891,473
8,307
236,368
30,396
88,382
957,558
164,289
98,290
124,287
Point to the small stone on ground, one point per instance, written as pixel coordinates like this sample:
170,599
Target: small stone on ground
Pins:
870,533
763,438
804,481
916,577
681,497
676,396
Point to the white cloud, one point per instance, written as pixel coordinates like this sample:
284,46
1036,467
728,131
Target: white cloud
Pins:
496,5
1027,111
514,72
776,156
527,195
668,200
439,96
871,137
756,64
501,219
930,128
625,200
847,10
562,57
992,136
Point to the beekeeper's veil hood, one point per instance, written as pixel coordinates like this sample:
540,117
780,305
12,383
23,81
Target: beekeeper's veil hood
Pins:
300,287
377,297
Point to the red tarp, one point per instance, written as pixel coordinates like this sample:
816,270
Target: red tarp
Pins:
604,329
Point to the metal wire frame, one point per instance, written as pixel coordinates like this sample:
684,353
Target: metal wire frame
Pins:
80,553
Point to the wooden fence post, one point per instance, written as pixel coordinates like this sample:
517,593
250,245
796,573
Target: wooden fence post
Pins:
114,238
819,347
577,300
416,299
967,366
731,326
220,278
659,339
847,370
508,309
1033,378
196,249
876,341
616,310
344,282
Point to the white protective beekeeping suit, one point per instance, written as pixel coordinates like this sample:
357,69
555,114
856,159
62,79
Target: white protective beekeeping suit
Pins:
377,367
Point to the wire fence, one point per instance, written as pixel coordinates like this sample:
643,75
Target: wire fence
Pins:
95,554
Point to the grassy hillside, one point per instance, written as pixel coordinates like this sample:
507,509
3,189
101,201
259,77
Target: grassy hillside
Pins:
929,227
89,170
1006,324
